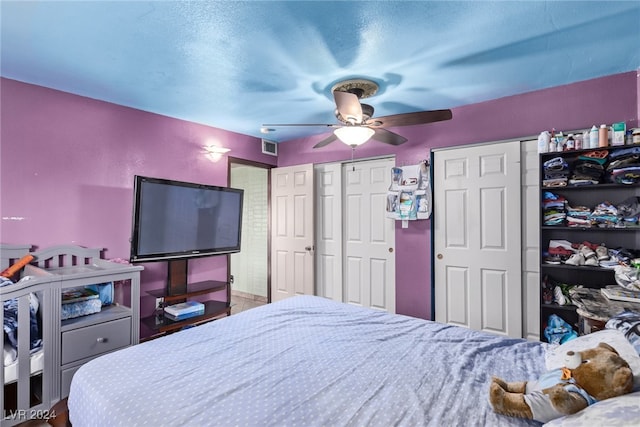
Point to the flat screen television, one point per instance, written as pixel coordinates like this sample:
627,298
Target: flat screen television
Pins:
175,220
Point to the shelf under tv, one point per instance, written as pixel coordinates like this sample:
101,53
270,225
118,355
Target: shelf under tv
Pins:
212,310
179,290
193,289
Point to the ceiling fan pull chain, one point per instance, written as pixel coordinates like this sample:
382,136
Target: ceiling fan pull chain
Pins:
353,165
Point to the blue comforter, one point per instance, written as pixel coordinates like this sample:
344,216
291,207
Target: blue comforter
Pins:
305,361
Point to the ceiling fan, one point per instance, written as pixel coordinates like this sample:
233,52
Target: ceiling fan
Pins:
357,124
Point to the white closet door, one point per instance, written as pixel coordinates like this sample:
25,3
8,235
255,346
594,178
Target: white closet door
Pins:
355,241
531,239
477,237
369,236
292,237
328,178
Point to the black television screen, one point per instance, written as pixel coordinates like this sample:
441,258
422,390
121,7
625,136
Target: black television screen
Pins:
180,220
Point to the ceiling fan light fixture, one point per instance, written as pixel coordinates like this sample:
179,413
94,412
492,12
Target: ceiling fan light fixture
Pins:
354,135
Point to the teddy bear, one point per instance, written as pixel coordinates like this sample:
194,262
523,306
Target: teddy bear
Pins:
588,376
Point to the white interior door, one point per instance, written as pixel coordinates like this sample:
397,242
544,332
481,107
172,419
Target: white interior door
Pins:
477,237
292,241
369,236
328,184
530,190
355,258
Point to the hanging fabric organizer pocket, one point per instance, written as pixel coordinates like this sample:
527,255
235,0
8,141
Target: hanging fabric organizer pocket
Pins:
409,195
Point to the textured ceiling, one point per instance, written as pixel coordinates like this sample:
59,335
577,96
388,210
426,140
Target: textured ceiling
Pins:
237,65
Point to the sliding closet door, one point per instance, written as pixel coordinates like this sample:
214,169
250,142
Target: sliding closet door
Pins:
477,237
369,236
328,177
356,242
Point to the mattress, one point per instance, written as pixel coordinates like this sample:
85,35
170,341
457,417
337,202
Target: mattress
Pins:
305,361
11,368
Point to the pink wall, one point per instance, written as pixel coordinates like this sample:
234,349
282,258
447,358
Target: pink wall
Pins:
67,166
580,105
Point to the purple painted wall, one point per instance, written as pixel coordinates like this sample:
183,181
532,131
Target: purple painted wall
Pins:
67,166
605,100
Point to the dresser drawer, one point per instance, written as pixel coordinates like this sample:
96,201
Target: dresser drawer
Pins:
65,381
96,339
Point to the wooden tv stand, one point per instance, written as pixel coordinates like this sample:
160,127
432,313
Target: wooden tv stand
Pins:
178,290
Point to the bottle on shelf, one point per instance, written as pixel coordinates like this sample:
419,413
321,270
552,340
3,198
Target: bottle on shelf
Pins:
593,137
579,142
544,141
586,139
571,142
603,136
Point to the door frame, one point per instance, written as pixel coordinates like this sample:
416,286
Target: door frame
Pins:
237,161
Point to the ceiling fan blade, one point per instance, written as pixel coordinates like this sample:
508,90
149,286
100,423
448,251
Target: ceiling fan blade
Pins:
408,119
388,137
328,140
273,125
348,106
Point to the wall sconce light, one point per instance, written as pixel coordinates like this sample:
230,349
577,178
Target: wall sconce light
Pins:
214,153
354,135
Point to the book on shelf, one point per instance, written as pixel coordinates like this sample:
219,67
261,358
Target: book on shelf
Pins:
184,316
615,292
78,294
185,308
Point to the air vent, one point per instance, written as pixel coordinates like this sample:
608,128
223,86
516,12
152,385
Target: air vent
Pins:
269,147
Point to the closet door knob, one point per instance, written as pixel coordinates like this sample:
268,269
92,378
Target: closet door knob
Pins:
101,340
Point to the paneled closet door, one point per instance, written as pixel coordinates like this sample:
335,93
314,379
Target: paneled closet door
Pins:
356,241
477,241
292,232
328,178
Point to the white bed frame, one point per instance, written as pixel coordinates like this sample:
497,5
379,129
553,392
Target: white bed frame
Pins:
52,270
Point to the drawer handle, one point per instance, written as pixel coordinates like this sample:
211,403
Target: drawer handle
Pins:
101,340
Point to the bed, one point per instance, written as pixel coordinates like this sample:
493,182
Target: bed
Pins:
310,361
305,361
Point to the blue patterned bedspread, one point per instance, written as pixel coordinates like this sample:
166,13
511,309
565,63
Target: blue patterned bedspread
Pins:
305,361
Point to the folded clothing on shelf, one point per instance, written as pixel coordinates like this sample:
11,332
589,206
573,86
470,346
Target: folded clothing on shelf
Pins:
556,172
554,207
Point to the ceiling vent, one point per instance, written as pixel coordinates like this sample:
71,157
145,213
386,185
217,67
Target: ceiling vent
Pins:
269,147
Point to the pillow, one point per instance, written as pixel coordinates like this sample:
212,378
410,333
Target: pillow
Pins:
618,411
554,358
627,322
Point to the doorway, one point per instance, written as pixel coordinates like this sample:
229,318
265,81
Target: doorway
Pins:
250,267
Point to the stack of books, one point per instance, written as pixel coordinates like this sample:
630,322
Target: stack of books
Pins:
184,310
615,292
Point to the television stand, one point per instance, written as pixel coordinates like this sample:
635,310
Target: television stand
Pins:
178,290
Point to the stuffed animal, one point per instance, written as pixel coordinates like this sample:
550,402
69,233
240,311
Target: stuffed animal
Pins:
588,376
